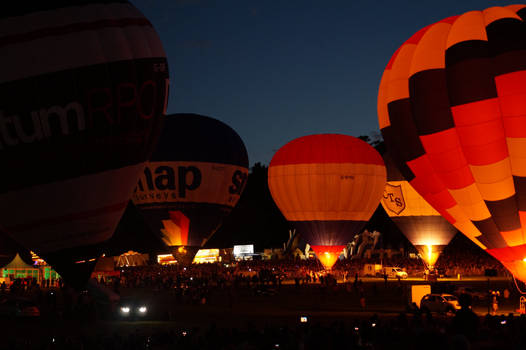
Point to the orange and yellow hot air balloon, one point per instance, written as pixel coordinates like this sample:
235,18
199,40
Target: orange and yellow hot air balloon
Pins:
327,186
452,109
421,224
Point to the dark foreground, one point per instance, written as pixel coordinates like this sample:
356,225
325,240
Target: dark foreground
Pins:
371,316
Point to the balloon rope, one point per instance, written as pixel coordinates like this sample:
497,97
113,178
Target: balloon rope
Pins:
517,286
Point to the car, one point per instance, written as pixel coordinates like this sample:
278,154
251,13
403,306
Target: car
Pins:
11,307
132,309
439,302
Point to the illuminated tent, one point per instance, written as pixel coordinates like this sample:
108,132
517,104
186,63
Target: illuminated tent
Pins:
422,225
18,268
193,180
83,86
327,186
452,110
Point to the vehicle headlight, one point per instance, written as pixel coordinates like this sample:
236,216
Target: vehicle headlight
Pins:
125,310
143,309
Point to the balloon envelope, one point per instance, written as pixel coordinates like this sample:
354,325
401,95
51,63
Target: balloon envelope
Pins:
327,186
193,180
452,110
422,225
83,86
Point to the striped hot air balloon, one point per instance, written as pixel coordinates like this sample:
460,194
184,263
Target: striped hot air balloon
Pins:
193,180
327,186
83,86
421,224
452,109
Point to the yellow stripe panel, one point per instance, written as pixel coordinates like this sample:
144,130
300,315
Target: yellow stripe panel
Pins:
398,84
464,225
381,107
327,191
491,173
415,204
430,52
497,191
494,181
517,151
471,202
514,237
469,26
493,14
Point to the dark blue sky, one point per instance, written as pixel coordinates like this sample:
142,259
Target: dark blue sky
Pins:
278,70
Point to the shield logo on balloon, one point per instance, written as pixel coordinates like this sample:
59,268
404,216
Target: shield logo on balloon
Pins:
393,198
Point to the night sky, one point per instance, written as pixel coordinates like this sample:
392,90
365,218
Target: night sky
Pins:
278,70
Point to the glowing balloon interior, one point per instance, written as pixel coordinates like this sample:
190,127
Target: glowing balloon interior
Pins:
452,110
422,225
327,186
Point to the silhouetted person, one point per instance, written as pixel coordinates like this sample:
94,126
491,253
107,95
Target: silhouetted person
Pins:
465,322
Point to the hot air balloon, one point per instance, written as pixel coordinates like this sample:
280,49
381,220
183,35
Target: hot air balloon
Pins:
422,225
83,87
193,180
452,107
327,186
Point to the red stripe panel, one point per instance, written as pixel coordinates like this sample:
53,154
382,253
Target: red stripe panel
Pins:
68,217
476,112
447,216
486,154
511,88
511,83
441,200
425,176
326,148
515,126
73,28
457,179
480,134
440,141
509,253
444,152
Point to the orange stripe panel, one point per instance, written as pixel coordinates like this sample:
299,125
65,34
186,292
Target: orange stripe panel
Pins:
515,8
398,83
514,237
430,51
381,107
493,14
469,26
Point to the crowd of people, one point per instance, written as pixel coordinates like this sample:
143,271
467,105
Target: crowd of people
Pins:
404,331
192,284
